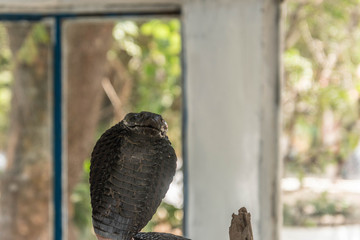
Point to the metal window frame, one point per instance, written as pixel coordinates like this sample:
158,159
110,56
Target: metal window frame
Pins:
58,136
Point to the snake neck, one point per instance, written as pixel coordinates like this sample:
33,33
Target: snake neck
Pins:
101,238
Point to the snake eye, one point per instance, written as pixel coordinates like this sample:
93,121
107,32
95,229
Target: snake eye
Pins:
134,118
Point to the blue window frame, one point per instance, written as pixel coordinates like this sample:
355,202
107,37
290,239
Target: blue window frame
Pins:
58,103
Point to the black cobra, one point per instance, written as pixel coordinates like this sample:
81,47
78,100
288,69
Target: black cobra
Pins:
132,166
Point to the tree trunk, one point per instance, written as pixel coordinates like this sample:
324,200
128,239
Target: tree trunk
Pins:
25,188
86,47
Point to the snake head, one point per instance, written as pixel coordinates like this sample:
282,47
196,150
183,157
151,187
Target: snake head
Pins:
146,123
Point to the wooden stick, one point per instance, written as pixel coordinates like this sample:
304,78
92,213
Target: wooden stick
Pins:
240,228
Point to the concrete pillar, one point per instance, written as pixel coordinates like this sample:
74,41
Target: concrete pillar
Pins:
231,51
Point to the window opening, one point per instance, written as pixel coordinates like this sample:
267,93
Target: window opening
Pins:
25,130
321,122
141,71
113,67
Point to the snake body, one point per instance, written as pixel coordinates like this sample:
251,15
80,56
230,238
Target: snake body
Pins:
132,166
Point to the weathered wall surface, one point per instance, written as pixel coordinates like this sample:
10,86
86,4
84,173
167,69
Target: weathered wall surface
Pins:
86,6
232,75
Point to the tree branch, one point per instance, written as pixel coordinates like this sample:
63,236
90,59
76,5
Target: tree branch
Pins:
113,97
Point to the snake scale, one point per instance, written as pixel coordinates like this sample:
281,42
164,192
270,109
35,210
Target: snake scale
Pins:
132,166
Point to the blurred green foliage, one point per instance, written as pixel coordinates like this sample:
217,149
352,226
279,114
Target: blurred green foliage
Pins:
27,54
29,51
321,90
320,210
320,101
80,199
150,51
5,84
168,215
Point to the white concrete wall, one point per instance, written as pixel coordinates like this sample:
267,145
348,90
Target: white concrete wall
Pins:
232,75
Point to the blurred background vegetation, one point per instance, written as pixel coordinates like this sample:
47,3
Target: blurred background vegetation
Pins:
120,66
5,81
141,70
321,90
320,104
145,73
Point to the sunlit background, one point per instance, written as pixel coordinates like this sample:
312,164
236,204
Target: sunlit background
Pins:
321,125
